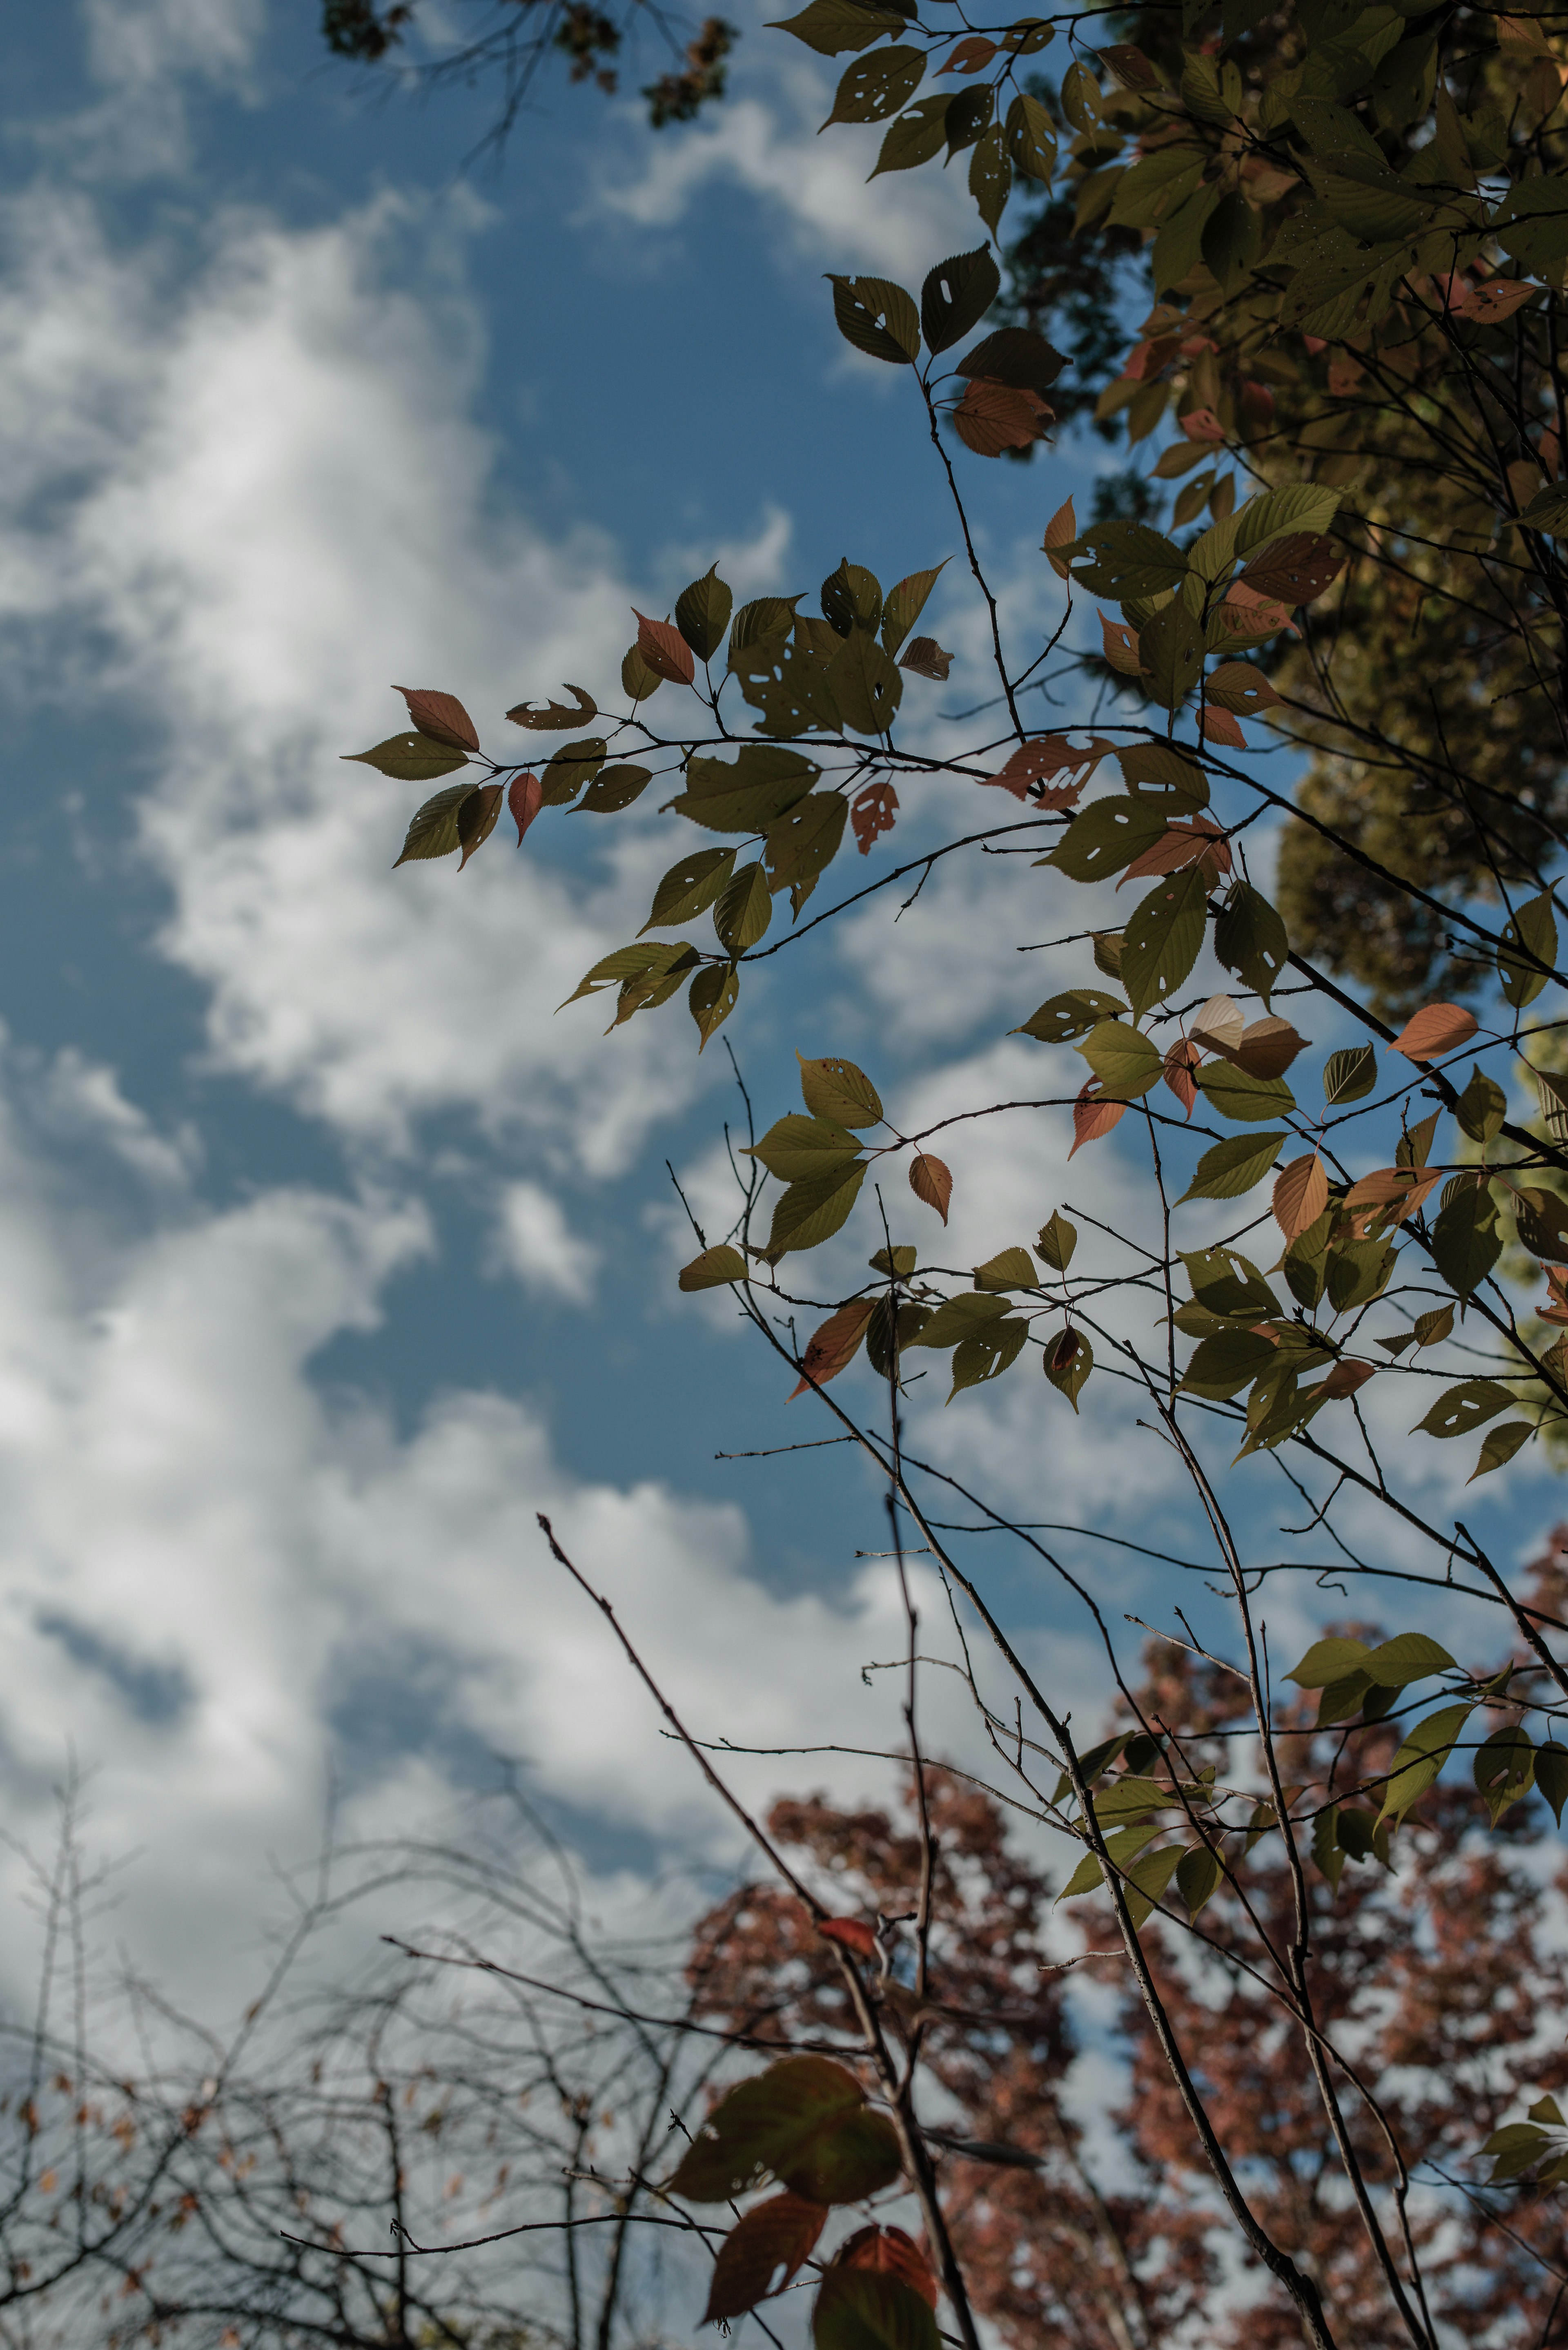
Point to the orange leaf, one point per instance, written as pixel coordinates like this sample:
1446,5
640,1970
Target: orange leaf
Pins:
892,2253
1345,1377
850,1934
1238,686
1180,1064
524,800
931,1179
1203,425
970,56
1121,647
992,417
1199,842
441,716
783,2232
1092,1117
664,649
1406,1188
872,811
1035,765
1301,1195
1218,726
835,1345
1059,531
1488,306
1245,613
1436,1029
1295,570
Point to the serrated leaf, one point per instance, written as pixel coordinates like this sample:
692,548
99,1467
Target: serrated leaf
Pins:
991,176
875,87
1126,1062
432,830
795,1146
1250,940
836,1089
918,133
1499,1446
958,1318
689,888
987,1354
834,1347
769,2242
1061,1018
1532,933
1105,836
957,294
746,793
1230,1169
813,1210
614,788
1420,1760
1465,1242
713,1268
1011,1268
711,998
862,2309
1467,1406
1350,1075
1221,1366
703,613
407,758
1330,1660
930,1180
877,318
1163,936
441,716
1069,1360
1056,1243
831,26
865,684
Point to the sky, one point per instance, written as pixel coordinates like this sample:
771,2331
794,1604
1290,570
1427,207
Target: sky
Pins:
331,1253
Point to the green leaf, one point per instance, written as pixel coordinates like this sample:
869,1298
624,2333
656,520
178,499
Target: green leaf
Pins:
1243,1098
969,116
1107,836
991,176
796,1147
1464,1239
830,27
876,87
713,1268
1548,511
1468,1405
614,788
813,1210
744,910
1551,1776
788,684
1422,1757
802,843
1123,1847
572,766
1250,940
900,1261
747,794
1150,1876
868,2309
1030,139
1061,1018
1057,1240
1328,1858
1330,1660
1541,1220
1230,1286
1013,1268
1179,247
987,1354
957,294
1501,1444
409,758
958,1318
918,133
835,1088
1126,1063
1221,1366
1407,1656
1124,560
1069,1360
1504,1769
1198,1877
1231,1167
433,828
1350,1075
866,686
703,613
1163,936
1169,777
877,318
755,623
905,603
1170,646
785,2123
1534,929
689,888
711,998
1481,1108
1516,2148
1531,227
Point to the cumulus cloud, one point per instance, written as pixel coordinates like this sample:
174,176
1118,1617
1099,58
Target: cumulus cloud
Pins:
534,1241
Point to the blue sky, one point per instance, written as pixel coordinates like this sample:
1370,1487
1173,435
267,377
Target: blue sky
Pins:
330,1253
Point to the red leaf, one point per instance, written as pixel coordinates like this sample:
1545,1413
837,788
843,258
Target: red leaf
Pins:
524,800
1203,425
785,2230
992,417
1488,306
1034,766
970,56
835,1345
1436,1029
1257,406
664,649
1121,647
871,812
1060,531
1092,1118
442,716
850,1934
1295,570
1301,1195
1180,1062
930,1180
1245,613
889,2251
1218,726
1345,1377
1199,842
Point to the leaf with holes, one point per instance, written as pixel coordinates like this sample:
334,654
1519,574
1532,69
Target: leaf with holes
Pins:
1069,1360
1461,1409
689,888
877,86
1062,1018
872,812
743,910
1238,686
835,1088
555,717
877,316
1295,570
957,294
1162,939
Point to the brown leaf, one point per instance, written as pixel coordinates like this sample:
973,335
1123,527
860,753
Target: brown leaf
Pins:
1267,1047
1180,1062
1238,686
1406,1188
1093,1117
1245,613
1345,1377
781,2231
970,56
835,1346
476,819
1436,1029
1490,305
1121,647
1295,570
890,2252
1301,1195
441,716
927,659
664,650
1218,726
931,1179
1130,67
1203,425
1034,766
1060,531
1197,842
1344,375
524,800
871,812
850,1934
555,717
992,417
1557,1286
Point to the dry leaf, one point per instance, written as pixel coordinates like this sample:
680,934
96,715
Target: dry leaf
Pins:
1093,1117
476,820
970,56
930,1180
664,650
1268,1047
1246,613
1203,425
992,417
1557,1286
1436,1029
872,812
1060,531
850,1934
1238,686
890,2252
1180,1062
835,1345
1295,570
556,717
524,800
1121,647
1490,305
1034,766
1197,841
927,659
1218,726
783,2232
1301,1195
1345,1377
441,716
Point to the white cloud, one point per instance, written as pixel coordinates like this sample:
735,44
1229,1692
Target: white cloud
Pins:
534,1241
